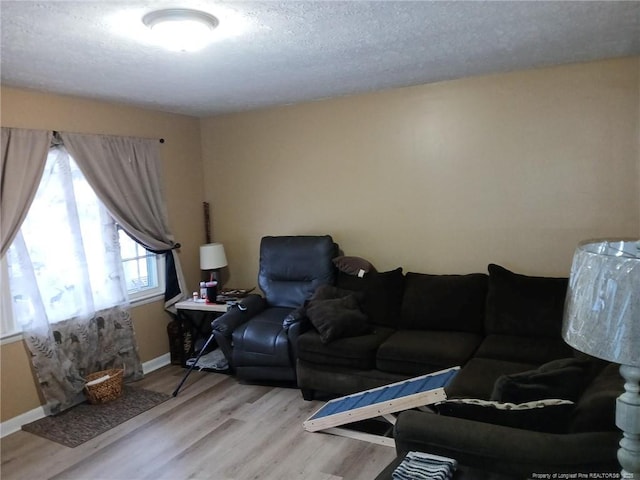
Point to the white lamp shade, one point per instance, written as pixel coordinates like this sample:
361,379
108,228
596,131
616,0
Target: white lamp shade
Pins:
602,309
212,256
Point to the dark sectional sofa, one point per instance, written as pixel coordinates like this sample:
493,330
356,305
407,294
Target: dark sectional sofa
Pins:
504,330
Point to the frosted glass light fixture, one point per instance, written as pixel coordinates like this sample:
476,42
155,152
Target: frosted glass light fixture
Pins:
181,29
602,318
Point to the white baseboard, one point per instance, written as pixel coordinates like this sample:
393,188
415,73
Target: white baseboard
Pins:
156,363
15,424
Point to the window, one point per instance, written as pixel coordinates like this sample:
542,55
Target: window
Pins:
69,256
143,270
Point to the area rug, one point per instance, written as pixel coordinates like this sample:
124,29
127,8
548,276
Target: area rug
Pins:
85,421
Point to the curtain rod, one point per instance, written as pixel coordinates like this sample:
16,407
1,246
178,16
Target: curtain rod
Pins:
55,132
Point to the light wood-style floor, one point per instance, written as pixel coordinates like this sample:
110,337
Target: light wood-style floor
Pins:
215,429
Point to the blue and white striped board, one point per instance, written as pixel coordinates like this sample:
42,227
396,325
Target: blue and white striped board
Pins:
381,401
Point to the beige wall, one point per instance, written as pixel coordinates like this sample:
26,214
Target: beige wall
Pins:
513,169
184,192
442,178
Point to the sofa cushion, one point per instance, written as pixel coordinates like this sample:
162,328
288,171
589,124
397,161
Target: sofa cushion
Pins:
524,305
551,416
415,352
477,378
352,352
516,348
564,379
336,318
382,294
596,409
444,302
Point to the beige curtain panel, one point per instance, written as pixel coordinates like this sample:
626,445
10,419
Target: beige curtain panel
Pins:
24,153
126,175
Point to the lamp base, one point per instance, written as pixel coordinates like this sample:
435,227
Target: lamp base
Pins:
628,420
214,276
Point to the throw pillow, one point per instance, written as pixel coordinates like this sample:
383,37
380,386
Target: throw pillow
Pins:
337,318
551,416
382,294
353,265
326,292
523,305
323,292
596,409
565,379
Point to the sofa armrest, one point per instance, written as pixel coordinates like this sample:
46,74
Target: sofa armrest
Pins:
502,449
228,322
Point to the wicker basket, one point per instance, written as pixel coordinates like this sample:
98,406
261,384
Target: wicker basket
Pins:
106,391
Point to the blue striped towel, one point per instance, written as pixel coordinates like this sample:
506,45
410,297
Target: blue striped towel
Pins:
425,466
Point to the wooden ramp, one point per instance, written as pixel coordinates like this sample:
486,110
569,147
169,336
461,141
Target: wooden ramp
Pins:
380,402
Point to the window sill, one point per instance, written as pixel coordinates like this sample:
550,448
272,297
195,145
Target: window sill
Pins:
148,299
11,338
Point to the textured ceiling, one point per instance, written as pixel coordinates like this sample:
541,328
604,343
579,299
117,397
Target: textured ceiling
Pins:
274,52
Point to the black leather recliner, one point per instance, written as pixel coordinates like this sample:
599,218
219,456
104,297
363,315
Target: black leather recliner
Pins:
260,341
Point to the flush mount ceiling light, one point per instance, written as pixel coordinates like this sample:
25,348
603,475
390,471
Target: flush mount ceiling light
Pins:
181,29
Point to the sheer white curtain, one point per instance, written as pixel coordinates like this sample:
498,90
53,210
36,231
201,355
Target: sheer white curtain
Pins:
67,285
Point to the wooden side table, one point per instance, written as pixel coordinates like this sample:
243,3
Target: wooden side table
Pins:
193,326
196,331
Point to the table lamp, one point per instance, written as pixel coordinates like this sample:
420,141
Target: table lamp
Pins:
602,319
212,258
